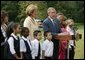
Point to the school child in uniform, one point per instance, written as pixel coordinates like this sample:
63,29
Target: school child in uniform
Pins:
36,47
47,46
13,43
70,29
25,44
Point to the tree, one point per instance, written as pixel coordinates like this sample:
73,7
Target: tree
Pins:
71,9
42,7
11,7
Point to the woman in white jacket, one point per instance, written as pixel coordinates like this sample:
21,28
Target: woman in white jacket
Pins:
30,22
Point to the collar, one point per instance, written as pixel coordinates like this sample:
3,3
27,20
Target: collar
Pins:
14,36
24,38
50,18
36,40
32,19
48,40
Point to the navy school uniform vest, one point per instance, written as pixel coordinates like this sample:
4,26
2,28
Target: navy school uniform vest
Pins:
2,38
2,46
27,54
16,47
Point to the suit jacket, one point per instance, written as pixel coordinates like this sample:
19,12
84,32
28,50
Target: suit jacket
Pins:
53,28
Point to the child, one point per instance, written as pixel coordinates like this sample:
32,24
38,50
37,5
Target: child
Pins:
4,20
61,18
36,48
47,47
25,46
69,28
13,43
63,43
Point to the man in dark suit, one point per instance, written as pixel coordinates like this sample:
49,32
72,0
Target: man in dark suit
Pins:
53,25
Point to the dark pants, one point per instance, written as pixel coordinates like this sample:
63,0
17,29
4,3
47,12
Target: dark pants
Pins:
71,53
27,56
37,57
2,52
56,48
48,57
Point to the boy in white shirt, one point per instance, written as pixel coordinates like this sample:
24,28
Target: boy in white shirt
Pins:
47,46
36,48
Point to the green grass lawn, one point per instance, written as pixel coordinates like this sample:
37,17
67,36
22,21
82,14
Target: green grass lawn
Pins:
79,51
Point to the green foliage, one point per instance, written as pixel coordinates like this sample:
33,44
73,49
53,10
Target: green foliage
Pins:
71,9
41,8
11,7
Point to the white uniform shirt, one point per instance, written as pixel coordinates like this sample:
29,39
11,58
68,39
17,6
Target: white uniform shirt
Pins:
35,46
22,44
11,43
47,46
71,42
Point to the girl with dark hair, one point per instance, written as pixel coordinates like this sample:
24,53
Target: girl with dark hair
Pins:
13,43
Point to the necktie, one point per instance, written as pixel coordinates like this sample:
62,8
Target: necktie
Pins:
53,22
39,50
30,42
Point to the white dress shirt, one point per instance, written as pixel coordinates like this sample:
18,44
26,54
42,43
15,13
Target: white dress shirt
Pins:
35,46
22,44
11,43
51,20
47,46
71,42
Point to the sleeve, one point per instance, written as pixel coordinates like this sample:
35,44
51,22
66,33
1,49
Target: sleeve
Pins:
11,45
53,45
59,25
44,46
33,50
45,26
67,29
60,28
22,46
3,32
27,23
54,34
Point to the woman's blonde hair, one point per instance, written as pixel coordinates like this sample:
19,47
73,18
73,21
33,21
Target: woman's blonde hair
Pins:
30,9
68,21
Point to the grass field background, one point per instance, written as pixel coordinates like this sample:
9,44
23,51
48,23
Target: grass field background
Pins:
79,50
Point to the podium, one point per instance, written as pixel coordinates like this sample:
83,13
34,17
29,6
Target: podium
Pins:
63,36
67,37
